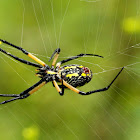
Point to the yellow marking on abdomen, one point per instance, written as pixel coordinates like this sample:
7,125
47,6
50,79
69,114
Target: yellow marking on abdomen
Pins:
70,67
80,66
36,59
0,42
83,74
73,74
36,88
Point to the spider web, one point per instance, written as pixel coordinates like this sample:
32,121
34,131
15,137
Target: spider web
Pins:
105,27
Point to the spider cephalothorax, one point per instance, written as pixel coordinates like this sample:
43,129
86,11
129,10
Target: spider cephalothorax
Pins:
69,76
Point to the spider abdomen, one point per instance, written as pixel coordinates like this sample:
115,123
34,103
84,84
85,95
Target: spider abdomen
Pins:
76,75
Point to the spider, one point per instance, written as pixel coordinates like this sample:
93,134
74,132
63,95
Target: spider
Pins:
69,76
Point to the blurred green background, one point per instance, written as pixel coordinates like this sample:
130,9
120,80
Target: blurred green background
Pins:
110,28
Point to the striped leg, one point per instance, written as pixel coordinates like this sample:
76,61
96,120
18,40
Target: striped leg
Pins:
20,59
56,53
25,52
9,95
75,57
94,91
61,92
25,93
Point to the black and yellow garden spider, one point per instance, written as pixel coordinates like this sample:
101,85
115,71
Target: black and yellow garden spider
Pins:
69,76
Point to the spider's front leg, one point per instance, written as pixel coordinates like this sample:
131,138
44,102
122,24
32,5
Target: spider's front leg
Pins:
26,53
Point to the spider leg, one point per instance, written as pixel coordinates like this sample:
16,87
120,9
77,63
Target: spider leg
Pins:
25,52
10,100
75,57
9,95
56,53
25,93
62,86
20,60
61,92
94,91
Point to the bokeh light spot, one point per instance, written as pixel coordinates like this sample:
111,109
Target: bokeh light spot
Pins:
30,133
131,25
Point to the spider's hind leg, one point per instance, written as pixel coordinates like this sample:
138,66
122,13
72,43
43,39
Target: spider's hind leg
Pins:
9,95
26,93
94,91
16,98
